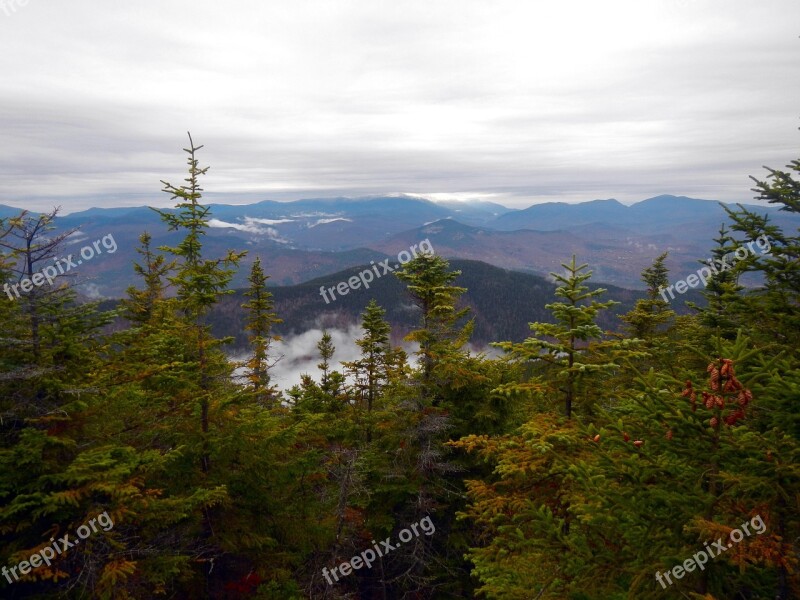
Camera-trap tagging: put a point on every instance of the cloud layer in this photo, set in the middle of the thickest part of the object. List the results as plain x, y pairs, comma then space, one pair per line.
514, 101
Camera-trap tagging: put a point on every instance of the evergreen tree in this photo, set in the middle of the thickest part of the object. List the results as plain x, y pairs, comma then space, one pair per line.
330, 394
722, 291
651, 314
206, 378
531, 544
673, 471
439, 337
140, 304
564, 346
378, 364
332, 381
326, 352
199, 283
56, 472
260, 321
774, 307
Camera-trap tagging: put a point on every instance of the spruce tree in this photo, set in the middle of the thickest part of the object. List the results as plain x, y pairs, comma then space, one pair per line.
332, 381
722, 291
379, 361
564, 346
206, 380
58, 468
199, 282
330, 394
651, 314
261, 319
777, 300
141, 304
440, 337
523, 510
680, 463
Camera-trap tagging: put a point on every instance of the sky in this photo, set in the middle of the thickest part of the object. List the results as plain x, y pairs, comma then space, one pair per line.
516, 102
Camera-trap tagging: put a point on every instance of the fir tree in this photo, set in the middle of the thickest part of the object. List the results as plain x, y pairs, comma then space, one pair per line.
564, 345
260, 321
524, 510
207, 373
651, 314
774, 306
32, 247
199, 282
439, 337
140, 304
378, 363
332, 381
722, 292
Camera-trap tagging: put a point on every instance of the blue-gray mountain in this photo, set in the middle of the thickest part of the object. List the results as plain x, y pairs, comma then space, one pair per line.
302, 240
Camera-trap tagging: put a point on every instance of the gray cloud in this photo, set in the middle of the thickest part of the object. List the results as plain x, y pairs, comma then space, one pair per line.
513, 100
299, 354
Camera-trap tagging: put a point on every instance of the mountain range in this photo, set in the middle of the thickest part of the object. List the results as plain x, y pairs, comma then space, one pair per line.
306, 239
502, 302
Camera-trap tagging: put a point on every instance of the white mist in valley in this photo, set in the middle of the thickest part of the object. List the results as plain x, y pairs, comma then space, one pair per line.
297, 355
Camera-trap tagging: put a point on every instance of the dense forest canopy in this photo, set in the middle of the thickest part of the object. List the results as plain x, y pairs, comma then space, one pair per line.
659, 460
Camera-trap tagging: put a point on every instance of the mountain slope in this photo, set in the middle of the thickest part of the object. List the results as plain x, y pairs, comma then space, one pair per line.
616, 255
502, 302
301, 240
559, 215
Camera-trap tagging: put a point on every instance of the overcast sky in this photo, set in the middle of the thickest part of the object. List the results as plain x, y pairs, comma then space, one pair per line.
515, 101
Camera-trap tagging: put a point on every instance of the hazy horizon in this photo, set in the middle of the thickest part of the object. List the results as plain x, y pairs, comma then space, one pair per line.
220, 199
512, 102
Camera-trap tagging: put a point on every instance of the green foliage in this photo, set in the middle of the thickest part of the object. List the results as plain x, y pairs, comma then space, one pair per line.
565, 346
722, 291
576, 466
779, 298
649, 317
378, 366
260, 322
198, 281
141, 304
430, 285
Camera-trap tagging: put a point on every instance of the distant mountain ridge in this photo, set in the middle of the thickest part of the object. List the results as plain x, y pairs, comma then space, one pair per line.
305, 239
653, 213
502, 302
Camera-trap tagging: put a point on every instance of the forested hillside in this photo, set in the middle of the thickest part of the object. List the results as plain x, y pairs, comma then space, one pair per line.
501, 302
654, 455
